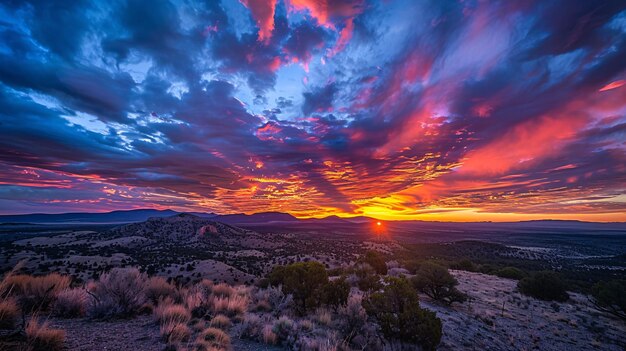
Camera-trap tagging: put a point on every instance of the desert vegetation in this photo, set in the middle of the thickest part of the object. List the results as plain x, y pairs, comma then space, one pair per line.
299, 308
545, 286
234, 289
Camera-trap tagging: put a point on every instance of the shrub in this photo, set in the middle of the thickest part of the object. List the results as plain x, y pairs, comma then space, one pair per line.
397, 311
269, 337
168, 313
220, 321
118, 293
303, 280
277, 300
464, 265
9, 313
232, 306
71, 303
223, 290
544, 286
352, 317
610, 297
252, 326
40, 337
510, 273
284, 327
157, 288
174, 331
436, 282
367, 281
35, 293
323, 316
214, 337
335, 293
376, 261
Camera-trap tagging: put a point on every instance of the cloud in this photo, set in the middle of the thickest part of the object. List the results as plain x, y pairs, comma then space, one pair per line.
397, 109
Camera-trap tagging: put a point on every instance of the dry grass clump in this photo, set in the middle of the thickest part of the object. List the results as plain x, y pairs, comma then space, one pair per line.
323, 316
157, 288
39, 337
269, 337
71, 303
174, 332
274, 297
118, 293
34, 293
223, 290
252, 326
166, 312
284, 328
321, 343
198, 298
232, 306
305, 325
213, 337
9, 313
221, 321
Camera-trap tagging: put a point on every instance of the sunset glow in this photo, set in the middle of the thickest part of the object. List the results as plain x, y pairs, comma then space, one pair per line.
396, 110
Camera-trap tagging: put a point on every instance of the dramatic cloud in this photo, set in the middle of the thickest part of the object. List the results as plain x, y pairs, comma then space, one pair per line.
448, 110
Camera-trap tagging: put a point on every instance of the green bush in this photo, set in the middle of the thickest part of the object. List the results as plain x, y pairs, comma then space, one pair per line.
464, 265
610, 297
304, 281
511, 273
376, 261
436, 282
396, 309
368, 281
336, 292
544, 286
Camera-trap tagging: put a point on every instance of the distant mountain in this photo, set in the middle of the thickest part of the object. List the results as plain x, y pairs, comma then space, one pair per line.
286, 221
179, 227
257, 218
129, 216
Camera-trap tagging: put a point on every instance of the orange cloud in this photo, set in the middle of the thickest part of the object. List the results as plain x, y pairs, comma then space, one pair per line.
613, 85
524, 145
263, 13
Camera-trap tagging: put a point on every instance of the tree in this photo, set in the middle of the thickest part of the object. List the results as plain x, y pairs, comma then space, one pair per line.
436, 282
396, 309
544, 286
610, 297
376, 261
368, 280
511, 273
303, 280
335, 292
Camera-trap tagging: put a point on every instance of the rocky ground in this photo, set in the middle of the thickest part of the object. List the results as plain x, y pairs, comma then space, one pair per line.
498, 318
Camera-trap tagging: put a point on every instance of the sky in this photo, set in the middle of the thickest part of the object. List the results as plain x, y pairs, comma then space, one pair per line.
432, 110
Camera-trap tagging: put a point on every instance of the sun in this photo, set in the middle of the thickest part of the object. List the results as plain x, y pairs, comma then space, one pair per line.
378, 224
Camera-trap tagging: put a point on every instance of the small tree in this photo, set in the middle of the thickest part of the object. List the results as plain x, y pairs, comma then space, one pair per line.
436, 282
397, 311
610, 297
544, 286
511, 273
303, 280
336, 293
376, 261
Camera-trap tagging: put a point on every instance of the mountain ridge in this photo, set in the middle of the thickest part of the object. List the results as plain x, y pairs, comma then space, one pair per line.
139, 215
